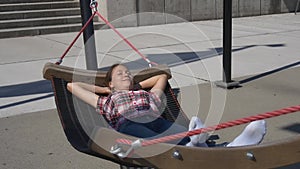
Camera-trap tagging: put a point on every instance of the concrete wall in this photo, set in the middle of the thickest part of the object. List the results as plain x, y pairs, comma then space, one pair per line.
288, 5
121, 13
150, 12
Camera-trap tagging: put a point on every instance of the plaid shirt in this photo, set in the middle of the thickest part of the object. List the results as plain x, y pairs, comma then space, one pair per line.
122, 105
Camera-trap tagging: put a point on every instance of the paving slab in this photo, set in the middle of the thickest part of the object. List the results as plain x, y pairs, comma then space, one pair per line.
36, 140
259, 44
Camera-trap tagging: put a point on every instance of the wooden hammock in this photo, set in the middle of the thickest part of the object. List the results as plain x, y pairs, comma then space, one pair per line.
89, 133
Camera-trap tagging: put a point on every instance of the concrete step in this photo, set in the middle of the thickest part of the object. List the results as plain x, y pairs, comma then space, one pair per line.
38, 6
26, 1
19, 23
37, 17
39, 13
42, 30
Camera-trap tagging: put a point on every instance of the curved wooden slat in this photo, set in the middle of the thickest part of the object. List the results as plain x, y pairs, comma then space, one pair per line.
97, 77
271, 155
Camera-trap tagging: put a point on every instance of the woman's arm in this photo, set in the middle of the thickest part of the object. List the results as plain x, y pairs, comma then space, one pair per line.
86, 92
156, 83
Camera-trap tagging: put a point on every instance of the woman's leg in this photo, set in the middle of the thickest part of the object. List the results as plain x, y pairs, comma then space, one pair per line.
253, 134
165, 128
137, 129
154, 129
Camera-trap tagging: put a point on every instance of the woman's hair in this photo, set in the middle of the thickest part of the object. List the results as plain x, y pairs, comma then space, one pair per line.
108, 76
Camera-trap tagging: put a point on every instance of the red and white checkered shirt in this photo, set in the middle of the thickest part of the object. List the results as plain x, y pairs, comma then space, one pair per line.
121, 105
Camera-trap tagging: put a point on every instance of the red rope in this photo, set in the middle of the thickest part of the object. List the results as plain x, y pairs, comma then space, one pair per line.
123, 38
94, 7
224, 125
73, 42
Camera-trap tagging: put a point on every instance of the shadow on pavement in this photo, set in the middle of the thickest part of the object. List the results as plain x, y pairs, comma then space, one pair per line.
23, 89
269, 73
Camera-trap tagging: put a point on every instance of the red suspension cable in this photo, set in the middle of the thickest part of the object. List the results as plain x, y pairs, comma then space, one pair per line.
93, 6
224, 125
123, 38
58, 62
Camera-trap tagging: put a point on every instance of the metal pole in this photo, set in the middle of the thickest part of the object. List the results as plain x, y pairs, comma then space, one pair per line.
88, 36
297, 6
227, 46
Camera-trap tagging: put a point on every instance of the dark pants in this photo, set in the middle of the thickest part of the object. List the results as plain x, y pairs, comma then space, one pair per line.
153, 129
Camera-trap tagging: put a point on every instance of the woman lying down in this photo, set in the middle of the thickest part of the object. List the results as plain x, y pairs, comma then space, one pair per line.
131, 110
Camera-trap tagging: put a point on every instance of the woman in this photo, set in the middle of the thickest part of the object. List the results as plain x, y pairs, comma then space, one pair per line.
132, 112
137, 112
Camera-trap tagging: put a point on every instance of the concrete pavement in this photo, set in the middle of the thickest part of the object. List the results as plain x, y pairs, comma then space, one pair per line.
265, 61
260, 44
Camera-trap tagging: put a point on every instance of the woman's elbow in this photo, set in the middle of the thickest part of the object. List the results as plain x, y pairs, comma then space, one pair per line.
70, 86
164, 76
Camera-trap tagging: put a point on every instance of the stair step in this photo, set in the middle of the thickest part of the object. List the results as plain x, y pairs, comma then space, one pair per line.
42, 30
38, 17
26, 1
5, 24
38, 6
39, 13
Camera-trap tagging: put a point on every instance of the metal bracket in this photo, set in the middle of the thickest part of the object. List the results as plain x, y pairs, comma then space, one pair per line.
94, 5
118, 149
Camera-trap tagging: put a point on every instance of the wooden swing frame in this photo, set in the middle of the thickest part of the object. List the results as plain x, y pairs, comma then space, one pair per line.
89, 133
